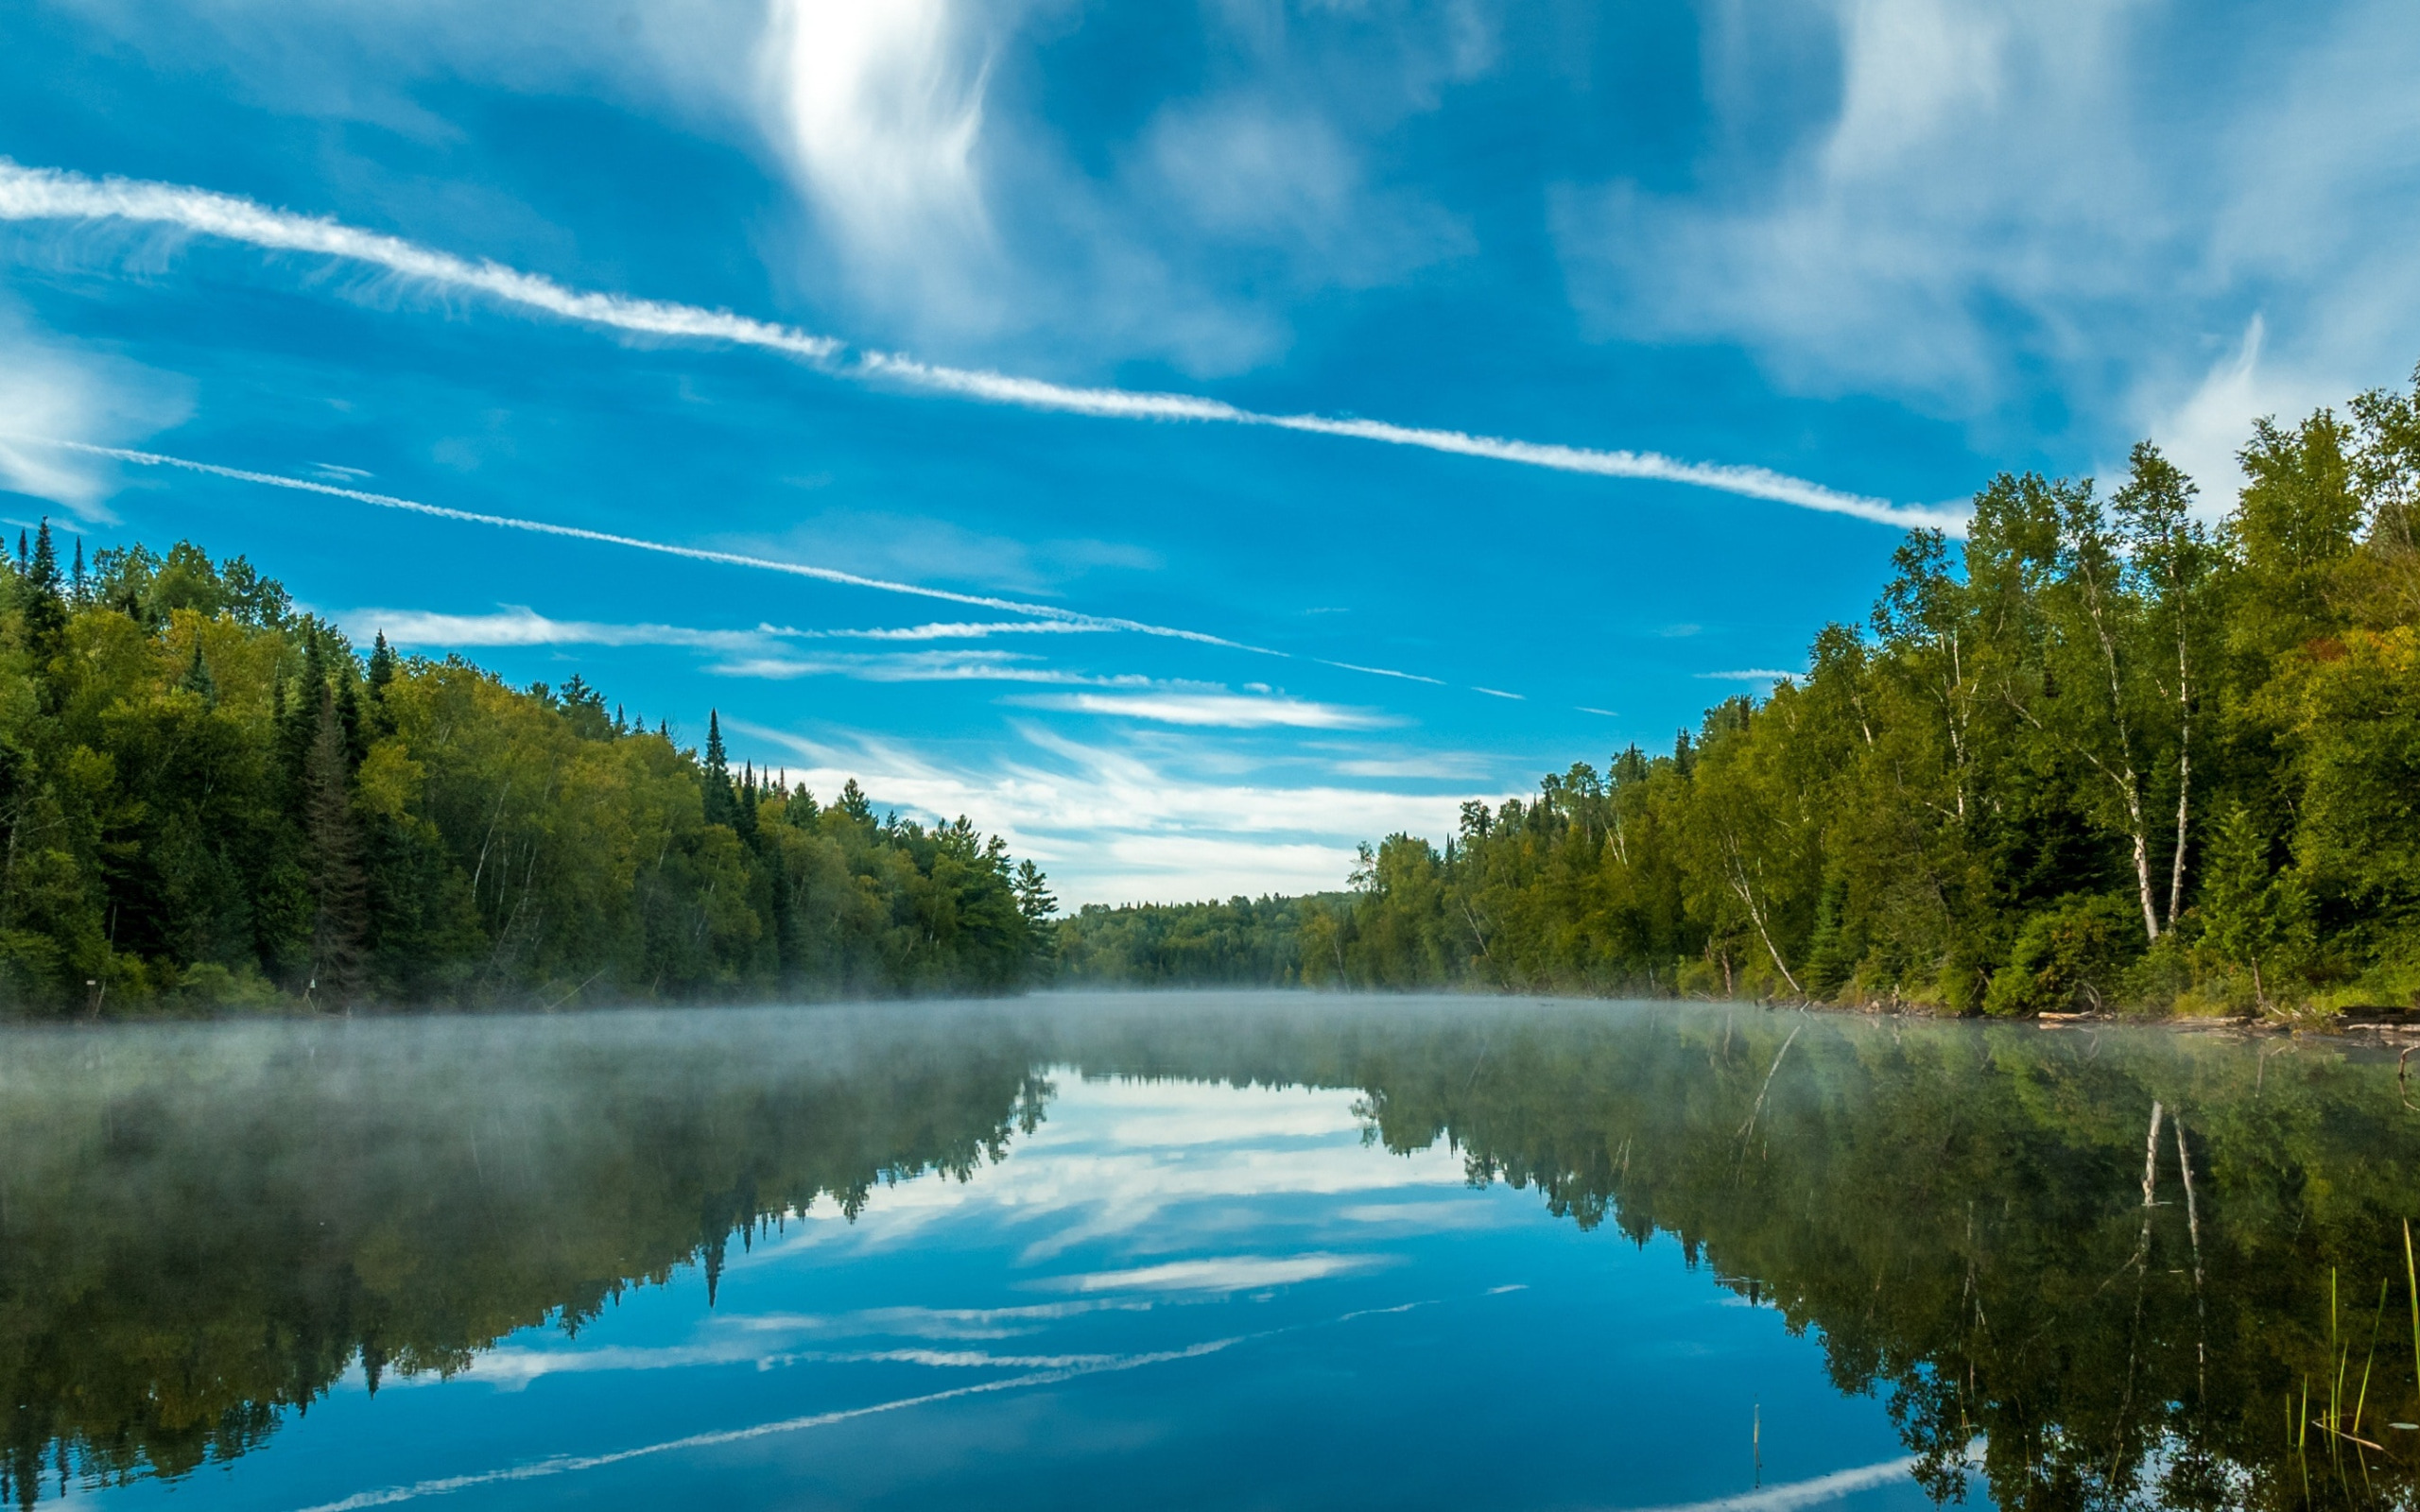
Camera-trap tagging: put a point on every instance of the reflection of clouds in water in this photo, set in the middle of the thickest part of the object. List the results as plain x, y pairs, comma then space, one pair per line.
1232, 1273
1115, 1157
510, 1370
1797, 1494
1432, 1217
564, 1464
929, 1322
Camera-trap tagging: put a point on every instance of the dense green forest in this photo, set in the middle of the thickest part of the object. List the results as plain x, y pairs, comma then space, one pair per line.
1959, 1211
1241, 942
2093, 755
211, 800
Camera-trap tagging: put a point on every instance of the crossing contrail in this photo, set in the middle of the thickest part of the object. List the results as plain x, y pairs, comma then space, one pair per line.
50, 194
728, 559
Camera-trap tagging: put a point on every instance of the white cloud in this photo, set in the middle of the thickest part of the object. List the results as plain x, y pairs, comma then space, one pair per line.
1980, 157
959, 630
880, 108
1250, 170
928, 548
1218, 710
1118, 824
1441, 766
728, 559
2202, 434
51, 390
924, 666
2003, 204
42, 194
515, 625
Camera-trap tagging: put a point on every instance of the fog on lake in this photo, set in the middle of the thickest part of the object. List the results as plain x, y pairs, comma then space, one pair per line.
1205, 1250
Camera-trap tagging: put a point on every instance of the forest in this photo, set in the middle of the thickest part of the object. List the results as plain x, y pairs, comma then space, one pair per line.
2096, 755
212, 802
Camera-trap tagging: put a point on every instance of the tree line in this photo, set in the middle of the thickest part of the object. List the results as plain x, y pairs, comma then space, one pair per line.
2097, 753
208, 800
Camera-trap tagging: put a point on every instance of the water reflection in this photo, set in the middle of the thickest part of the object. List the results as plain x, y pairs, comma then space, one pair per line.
1051, 1252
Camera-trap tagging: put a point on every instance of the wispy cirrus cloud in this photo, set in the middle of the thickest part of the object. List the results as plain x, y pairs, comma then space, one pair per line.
518, 625
514, 624
1222, 711
1972, 206
925, 667
1162, 819
48, 387
728, 559
46, 194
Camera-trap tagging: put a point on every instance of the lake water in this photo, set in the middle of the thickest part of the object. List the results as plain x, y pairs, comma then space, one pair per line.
1203, 1250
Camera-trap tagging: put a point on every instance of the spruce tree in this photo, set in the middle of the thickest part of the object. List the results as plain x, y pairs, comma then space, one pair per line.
198, 679
722, 804
377, 720
46, 615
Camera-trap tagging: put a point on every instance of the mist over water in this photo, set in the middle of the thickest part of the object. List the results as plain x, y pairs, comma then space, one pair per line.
1203, 1250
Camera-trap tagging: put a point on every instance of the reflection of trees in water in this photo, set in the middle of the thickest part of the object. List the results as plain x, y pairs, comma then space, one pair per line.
204, 1227
207, 1227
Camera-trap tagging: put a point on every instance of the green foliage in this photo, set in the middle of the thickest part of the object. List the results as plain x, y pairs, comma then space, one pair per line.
2066, 959
1239, 942
1999, 795
209, 802
2253, 919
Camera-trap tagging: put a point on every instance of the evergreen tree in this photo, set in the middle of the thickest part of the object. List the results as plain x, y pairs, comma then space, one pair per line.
197, 677
722, 804
376, 721
45, 610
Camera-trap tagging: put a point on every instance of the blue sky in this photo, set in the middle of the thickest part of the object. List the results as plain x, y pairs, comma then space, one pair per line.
874, 289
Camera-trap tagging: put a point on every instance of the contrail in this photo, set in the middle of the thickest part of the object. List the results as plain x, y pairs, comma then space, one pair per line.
49, 193
728, 559
566, 1464
1797, 1494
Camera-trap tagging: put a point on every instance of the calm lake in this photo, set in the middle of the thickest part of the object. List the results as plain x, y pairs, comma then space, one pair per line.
1204, 1250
